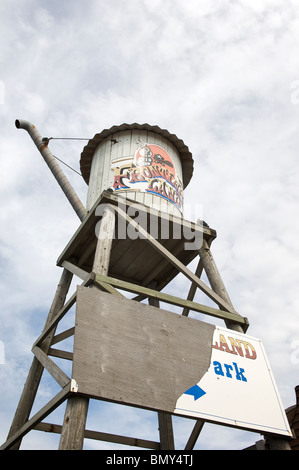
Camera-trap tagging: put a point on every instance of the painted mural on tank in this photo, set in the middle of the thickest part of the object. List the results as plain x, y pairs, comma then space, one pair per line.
150, 170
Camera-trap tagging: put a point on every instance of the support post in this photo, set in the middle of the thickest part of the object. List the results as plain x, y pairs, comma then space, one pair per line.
166, 431
216, 281
73, 429
194, 434
164, 419
36, 370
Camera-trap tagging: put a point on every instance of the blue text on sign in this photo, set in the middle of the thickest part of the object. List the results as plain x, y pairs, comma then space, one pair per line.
231, 371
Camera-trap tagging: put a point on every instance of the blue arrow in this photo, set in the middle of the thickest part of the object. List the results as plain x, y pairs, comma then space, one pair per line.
196, 391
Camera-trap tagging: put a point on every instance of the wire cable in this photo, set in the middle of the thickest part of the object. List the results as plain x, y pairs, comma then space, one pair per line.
67, 165
47, 139
69, 138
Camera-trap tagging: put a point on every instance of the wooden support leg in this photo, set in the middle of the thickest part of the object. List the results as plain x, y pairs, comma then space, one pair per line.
216, 281
72, 433
166, 431
73, 429
36, 370
164, 419
194, 434
193, 287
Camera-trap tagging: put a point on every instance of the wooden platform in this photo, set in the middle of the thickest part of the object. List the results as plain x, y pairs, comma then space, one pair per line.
135, 259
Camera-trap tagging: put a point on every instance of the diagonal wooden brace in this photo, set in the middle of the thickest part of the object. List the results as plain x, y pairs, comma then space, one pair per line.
180, 266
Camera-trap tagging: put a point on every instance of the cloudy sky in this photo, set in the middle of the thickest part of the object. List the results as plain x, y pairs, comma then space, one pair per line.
224, 77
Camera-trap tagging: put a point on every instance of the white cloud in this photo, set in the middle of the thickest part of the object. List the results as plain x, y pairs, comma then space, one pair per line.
219, 75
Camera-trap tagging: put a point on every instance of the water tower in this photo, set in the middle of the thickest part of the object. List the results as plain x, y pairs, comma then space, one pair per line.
133, 238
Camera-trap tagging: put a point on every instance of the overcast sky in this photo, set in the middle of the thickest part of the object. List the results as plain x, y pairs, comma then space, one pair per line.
224, 77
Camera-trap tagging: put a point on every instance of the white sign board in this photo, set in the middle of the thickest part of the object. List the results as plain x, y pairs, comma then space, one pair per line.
173, 363
238, 389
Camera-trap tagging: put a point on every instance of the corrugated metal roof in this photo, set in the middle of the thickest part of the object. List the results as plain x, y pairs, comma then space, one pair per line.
89, 149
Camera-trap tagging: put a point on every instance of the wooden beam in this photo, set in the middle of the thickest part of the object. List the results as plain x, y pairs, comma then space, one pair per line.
56, 319
163, 297
39, 416
63, 335
159, 267
217, 283
105, 238
36, 370
89, 250
61, 354
60, 314
193, 288
166, 431
194, 434
103, 436
108, 288
164, 419
72, 433
75, 270
61, 378
116, 200
73, 429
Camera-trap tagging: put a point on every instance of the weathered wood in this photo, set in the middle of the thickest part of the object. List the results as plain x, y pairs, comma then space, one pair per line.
51, 325
61, 378
216, 282
154, 345
82, 238
61, 354
39, 416
135, 259
166, 431
72, 434
105, 238
63, 335
103, 436
108, 288
164, 419
194, 434
193, 288
160, 265
163, 297
36, 370
73, 429
75, 270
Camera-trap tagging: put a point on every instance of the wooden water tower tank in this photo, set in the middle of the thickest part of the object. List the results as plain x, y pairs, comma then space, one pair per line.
138, 161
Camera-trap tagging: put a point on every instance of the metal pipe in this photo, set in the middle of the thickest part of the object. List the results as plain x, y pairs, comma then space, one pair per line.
42, 145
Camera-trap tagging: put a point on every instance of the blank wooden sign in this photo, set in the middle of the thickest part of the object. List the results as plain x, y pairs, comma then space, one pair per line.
136, 354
